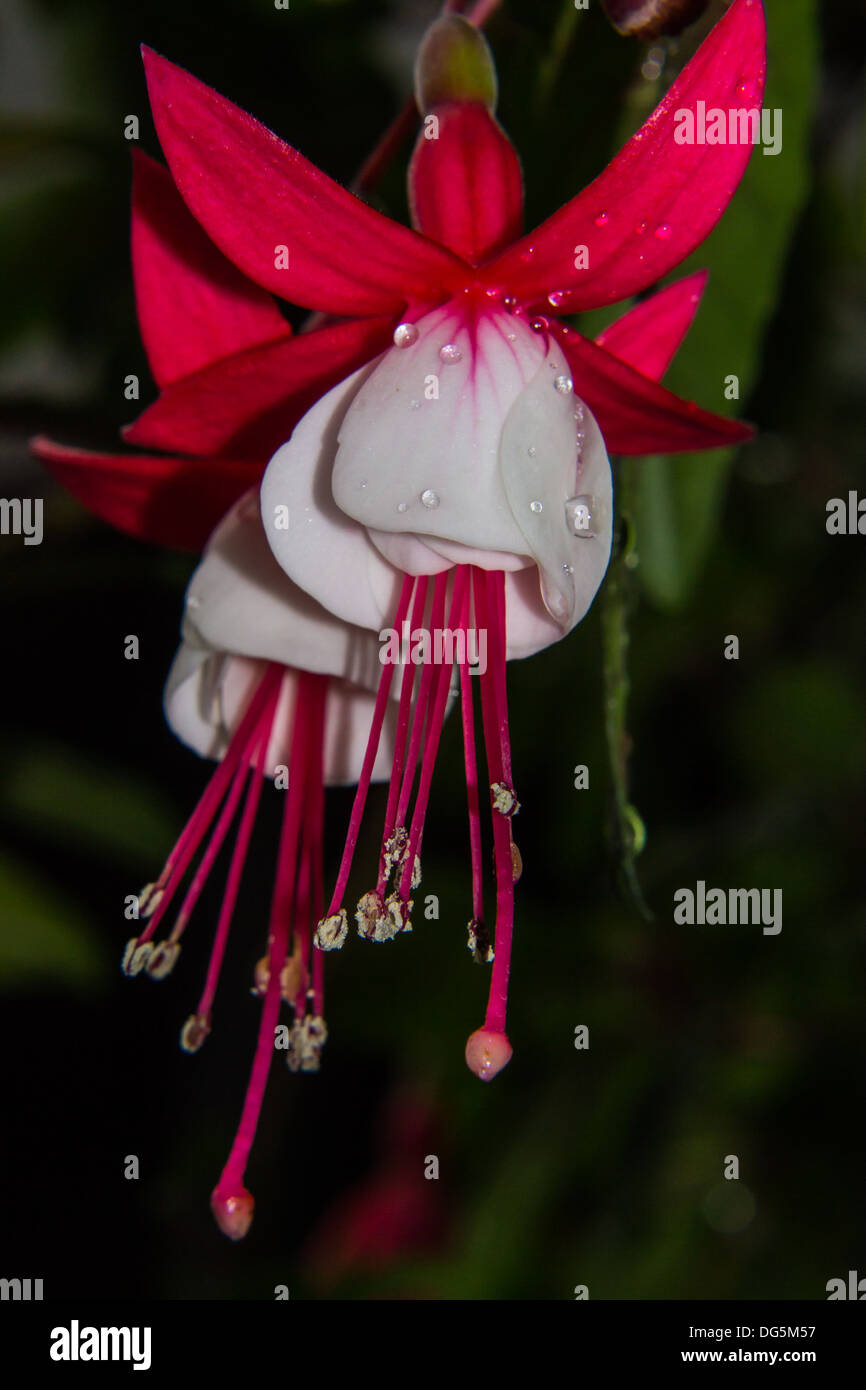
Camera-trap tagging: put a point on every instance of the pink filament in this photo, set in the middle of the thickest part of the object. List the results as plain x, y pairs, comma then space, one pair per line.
490, 598
471, 765
310, 696
369, 761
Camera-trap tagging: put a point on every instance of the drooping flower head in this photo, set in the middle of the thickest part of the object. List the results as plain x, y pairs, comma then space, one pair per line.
442, 445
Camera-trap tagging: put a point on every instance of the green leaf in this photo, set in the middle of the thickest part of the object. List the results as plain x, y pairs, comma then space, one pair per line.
679, 499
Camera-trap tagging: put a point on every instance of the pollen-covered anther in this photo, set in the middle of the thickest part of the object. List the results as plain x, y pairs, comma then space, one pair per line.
395, 848
504, 799
487, 1052
306, 1040
332, 931
194, 1032
233, 1211
136, 957
398, 918
261, 975
292, 979
149, 899
516, 863
162, 962
479, 942
369, 914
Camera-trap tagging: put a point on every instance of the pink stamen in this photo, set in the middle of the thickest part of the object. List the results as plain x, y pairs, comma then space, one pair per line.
489, 591
437, 704
407, 690
199, 822
369, 760
467, 711
229, 1195
233, 882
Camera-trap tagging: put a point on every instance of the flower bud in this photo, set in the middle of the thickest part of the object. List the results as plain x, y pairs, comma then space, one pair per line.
653, 19
454, 63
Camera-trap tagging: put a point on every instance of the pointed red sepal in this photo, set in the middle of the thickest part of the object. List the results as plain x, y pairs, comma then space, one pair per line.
637, 415
169, 501
657, 199
278, 218
465, 183
249, 404
650, 334
194, 306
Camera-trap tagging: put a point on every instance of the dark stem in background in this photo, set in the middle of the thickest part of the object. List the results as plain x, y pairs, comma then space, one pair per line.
626, 831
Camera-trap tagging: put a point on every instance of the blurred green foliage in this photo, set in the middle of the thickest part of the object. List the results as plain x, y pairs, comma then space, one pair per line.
603, 1166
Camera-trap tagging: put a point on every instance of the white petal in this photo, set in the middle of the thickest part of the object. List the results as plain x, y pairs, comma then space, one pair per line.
541, 471
407, 462
207, 693
322, 549
529, 627
240, 601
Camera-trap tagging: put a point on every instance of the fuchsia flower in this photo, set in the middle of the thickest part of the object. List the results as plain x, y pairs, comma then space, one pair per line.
439, 450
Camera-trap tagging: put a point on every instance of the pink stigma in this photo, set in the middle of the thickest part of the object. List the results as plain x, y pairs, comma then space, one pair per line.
487, 1053
233, 1211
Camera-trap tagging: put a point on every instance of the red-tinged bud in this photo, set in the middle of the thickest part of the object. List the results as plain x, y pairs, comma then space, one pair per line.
233, 1211
653, 19
454, 63
487, 1053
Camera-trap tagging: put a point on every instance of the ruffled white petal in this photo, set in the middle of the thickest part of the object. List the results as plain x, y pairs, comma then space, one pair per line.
542, 470
207, 693
419, 445
316, 544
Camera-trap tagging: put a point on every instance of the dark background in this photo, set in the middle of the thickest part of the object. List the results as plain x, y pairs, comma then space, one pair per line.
601, 1167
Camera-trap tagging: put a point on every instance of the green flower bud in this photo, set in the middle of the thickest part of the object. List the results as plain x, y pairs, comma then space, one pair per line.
454, 63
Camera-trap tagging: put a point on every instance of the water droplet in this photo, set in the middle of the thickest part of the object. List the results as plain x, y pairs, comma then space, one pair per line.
556, 298
363, 482
402, 506
512, 337
641, 228
405, 334
527, 255
532, 451
564, 385
663, 231
568, 569
579, 515
602, 219
540, 325
509, 302
449, 352
416, 405
536, 507
579, 413
429, 498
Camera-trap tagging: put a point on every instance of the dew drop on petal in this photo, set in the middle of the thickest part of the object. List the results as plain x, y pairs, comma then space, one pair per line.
449, 352
602, 219
663, 231
564, 385
579, 413
556, 298
532, 451
509, 302
405, 334
416, 405
402, 506
641, 228
540, 325
429, 498
536, 506
579, 515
